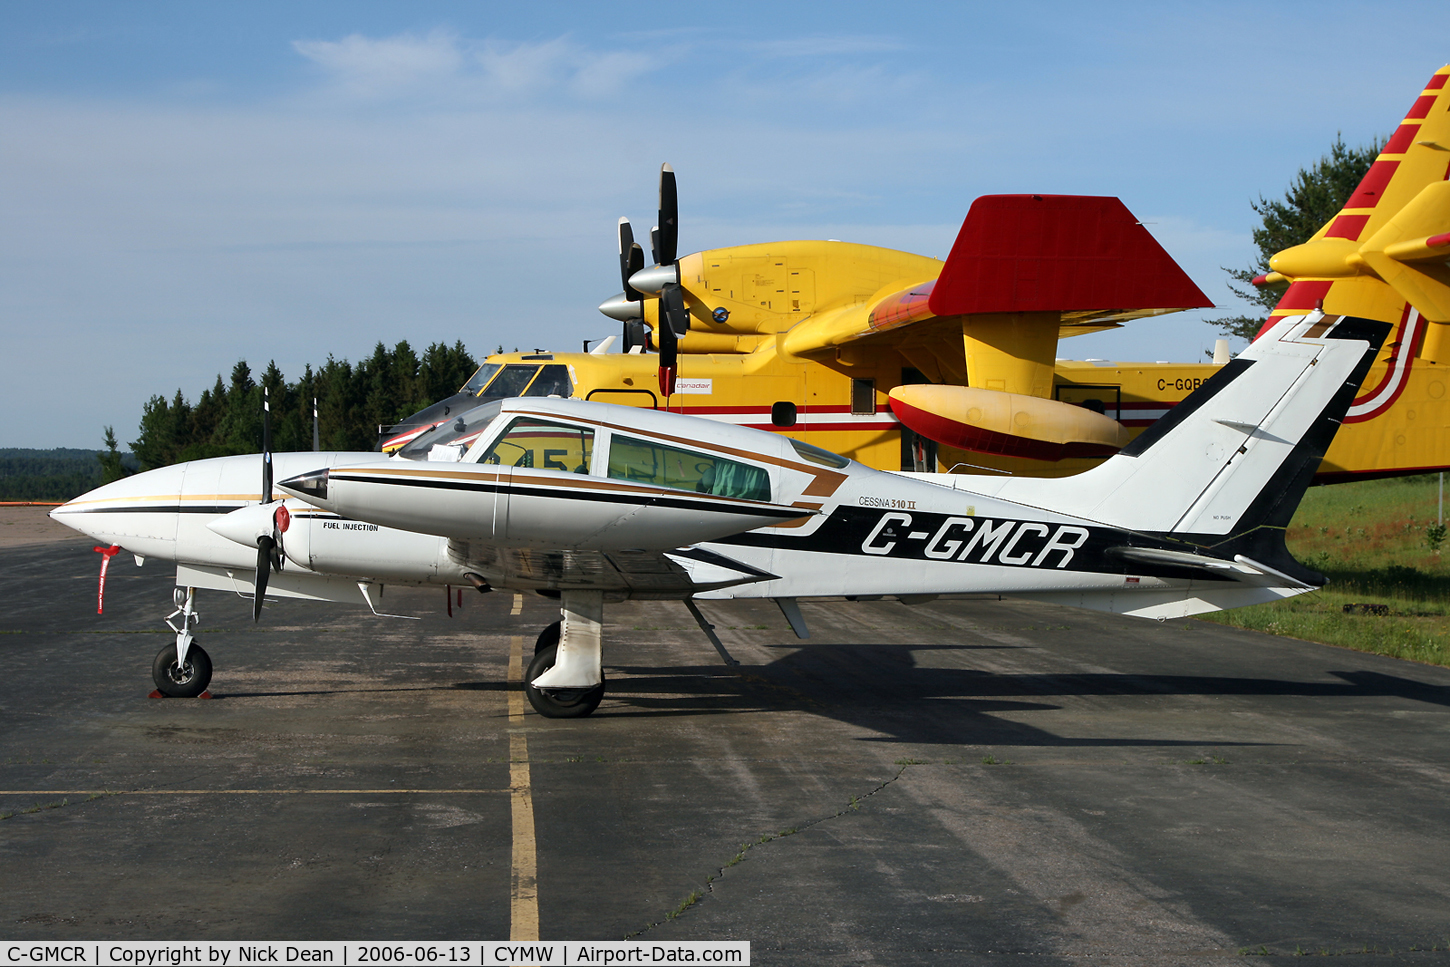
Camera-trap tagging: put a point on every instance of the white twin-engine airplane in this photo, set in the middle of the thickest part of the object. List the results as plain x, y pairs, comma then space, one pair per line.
592, 502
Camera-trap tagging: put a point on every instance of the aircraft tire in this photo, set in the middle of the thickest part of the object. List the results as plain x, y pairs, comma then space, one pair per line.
558, 703
549, 637
188, 681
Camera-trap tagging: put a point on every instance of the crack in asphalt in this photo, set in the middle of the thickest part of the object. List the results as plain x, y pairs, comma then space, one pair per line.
697, 895
58, 804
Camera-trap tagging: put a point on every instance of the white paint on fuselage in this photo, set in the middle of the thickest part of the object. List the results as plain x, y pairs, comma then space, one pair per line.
163, 514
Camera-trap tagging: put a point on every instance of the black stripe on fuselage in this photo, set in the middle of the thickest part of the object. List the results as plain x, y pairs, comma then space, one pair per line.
161, 509
218, 509
650, 499
998, 542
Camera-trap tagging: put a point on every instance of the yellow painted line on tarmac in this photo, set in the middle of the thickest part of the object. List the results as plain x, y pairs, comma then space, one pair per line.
518, 609
250, 792
524, 889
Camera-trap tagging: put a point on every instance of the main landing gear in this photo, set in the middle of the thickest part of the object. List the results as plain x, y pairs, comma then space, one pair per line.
566, 678
182, 670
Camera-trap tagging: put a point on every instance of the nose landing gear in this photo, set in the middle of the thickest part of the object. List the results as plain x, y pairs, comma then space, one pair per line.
182, 670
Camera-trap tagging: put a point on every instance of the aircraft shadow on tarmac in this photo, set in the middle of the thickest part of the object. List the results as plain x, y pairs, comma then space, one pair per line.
882, 688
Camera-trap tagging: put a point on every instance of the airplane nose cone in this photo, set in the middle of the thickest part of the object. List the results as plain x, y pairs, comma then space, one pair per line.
126, 511
618, 307
652, 279
309, 486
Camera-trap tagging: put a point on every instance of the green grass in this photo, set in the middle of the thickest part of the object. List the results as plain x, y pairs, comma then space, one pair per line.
1376, 542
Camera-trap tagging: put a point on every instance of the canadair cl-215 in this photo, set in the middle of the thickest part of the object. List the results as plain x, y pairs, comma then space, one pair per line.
905, 362
595, 503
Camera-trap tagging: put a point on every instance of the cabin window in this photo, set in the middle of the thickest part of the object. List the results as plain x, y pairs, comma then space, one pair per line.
645, 461
541, 445
863, 397
511, 382
553, 381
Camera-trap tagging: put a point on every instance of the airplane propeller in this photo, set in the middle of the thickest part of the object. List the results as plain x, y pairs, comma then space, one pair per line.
631, 311
269, 546
661, 280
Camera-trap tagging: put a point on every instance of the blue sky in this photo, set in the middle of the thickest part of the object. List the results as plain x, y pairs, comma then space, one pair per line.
187, 184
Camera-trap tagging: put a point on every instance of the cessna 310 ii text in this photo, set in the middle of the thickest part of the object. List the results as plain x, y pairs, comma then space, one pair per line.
594, 502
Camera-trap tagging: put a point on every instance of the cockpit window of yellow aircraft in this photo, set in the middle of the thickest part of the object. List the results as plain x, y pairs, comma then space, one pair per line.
480, 379
541, 445
553, 381
646, 462
511, 382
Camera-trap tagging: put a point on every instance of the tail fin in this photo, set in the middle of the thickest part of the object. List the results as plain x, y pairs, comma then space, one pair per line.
1225, 469
1390, 244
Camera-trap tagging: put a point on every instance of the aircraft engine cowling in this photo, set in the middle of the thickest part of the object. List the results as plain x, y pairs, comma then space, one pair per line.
990, 421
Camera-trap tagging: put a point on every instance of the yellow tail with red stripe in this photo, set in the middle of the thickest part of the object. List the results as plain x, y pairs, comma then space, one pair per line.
1386, 256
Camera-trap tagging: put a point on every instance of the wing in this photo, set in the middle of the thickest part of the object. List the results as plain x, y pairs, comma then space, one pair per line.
644, 574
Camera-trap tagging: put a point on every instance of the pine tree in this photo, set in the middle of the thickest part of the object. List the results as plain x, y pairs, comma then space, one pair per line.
111, 468
1314, 197
352, 401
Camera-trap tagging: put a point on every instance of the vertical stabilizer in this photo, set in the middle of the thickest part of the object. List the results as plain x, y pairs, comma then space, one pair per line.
1226, 468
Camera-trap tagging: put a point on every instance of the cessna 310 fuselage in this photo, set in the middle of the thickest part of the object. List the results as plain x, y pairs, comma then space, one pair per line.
593, 502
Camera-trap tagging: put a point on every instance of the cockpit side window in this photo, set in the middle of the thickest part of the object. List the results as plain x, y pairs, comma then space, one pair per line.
542, 445
553, 381
679, 469
450, 439
511, 382
480, 379
817, 455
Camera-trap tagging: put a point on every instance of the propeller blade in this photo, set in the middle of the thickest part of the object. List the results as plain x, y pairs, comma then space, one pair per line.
265, 547
673, 314
266, 447
654, 244
669, 217
674, 319
626, 252
636, 262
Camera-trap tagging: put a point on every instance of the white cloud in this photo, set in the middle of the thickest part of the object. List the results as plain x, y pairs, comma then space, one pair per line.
525, 67
606, 75
826, 46
451, 69
370, 66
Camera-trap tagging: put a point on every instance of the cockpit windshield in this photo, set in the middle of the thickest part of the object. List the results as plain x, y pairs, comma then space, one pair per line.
495, 381
510, 382
480, 379
449, 440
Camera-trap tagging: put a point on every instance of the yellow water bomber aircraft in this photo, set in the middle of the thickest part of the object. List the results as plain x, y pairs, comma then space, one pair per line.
906, 362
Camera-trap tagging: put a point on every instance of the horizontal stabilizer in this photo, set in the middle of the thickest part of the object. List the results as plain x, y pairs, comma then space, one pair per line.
1241, 568
1058, 253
